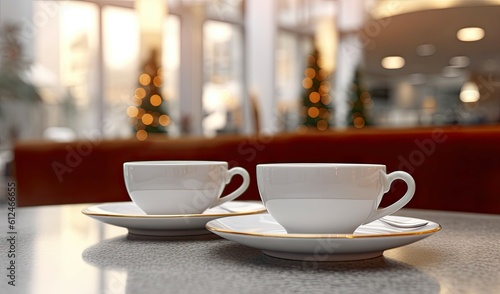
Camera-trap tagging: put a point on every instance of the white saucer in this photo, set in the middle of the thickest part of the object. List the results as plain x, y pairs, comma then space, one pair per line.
368, 241
128, 215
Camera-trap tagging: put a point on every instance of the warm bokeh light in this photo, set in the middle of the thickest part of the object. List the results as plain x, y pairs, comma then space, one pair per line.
365, 97
322, 74
310, 73
326, 99
158, 81
313, 112
144, 79
140, 93
147, 119
314, 97
323, 90
155, 100
326, 84
359, 122
141, 135
132, 111
322, 125
164, 120
307, 83
141, 112
323, 113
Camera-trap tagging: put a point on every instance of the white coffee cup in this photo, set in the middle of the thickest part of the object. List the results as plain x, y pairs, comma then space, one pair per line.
180, 187
328, 198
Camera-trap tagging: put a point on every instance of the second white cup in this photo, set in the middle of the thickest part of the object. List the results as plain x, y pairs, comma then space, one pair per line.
328, 198
180, 187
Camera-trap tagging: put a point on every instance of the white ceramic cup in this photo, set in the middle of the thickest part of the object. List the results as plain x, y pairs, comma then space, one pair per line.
180, 187
328, 198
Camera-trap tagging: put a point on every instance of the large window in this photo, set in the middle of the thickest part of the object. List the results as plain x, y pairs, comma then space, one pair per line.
223, 77
121, 51
91, 53
91, 48
66, 49
300, 31
291, 52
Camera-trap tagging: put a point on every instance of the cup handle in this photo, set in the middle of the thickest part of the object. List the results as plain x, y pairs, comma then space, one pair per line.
236, 193
397, 175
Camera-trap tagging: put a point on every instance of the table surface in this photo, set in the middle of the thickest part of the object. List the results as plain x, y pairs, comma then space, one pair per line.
60, 250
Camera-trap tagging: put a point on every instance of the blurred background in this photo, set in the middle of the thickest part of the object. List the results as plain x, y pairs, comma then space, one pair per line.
107, 69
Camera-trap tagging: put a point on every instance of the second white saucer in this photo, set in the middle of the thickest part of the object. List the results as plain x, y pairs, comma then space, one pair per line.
368, 241
128, 215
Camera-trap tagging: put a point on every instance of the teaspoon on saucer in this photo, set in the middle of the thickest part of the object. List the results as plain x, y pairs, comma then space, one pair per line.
405, 225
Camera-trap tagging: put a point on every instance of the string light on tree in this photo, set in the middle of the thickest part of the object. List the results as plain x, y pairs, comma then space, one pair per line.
316, 95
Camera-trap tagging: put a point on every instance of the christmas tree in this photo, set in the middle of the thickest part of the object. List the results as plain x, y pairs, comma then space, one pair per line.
316, 95
360, 102
148, 112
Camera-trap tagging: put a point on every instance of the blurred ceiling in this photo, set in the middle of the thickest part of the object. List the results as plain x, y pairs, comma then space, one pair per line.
398, 27
401, 34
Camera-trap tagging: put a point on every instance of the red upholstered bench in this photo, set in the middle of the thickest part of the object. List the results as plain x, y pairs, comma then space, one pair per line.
455, 168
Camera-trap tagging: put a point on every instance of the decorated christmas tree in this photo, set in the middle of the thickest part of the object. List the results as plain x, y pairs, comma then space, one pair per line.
148, 110
361, 102
316, 94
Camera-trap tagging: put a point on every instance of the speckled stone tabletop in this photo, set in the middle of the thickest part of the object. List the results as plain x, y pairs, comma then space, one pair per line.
60, 250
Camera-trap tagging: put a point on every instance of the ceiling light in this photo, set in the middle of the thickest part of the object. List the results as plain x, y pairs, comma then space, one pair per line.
459, 61
393, 62
425, 50
469, 92
470, 34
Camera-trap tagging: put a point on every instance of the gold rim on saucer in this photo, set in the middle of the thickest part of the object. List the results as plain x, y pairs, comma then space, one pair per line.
87, 211
318, 236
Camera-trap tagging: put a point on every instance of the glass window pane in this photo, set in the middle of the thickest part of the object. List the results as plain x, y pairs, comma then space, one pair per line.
171, 70
291, 54
225, 9
66, 50
78, 64
121, 51
223, 68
